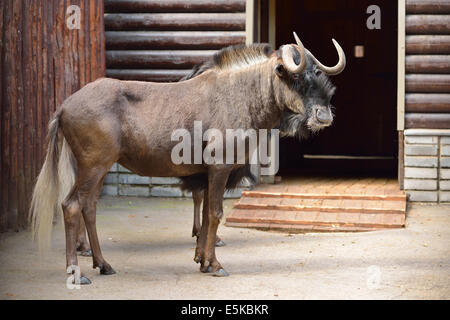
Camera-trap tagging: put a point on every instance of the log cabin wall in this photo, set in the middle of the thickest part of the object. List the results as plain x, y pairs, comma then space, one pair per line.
42, 62
427, 64
160, 41
427, 101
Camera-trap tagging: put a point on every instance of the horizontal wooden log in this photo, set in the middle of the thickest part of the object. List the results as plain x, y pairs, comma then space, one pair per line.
142, 40
427, 102
161, 59
175, 21
147, 75
427, 63
427, 120
439, 83
427, 6
428, 24
426, 44
141, 6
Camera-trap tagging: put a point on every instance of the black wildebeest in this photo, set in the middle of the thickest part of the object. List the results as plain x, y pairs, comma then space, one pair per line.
195, 184
132, 122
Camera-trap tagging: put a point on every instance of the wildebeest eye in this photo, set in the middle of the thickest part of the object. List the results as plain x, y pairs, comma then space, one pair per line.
317, 72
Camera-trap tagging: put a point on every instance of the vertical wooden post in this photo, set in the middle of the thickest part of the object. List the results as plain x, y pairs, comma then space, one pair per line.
401, 91
401, 65
401, 159
272, 24
249, 21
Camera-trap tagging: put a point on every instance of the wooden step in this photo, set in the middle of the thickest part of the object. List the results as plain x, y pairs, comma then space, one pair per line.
328, 196
278, 208
292, 204
329, 219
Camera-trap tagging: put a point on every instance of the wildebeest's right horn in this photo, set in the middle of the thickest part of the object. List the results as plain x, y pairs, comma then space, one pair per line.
338, 68
287, 56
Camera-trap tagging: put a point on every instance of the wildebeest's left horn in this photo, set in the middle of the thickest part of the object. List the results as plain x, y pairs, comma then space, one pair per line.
338, 68
287, 56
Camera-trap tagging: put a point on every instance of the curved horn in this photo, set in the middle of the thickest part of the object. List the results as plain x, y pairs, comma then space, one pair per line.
288, 57
338, 68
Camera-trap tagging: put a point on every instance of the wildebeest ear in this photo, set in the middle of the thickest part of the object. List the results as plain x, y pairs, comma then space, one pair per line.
279, 70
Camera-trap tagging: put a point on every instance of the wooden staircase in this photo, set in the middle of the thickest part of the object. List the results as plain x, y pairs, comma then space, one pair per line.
329, 210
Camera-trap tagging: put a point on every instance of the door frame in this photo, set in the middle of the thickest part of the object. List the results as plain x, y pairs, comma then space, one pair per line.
254, 30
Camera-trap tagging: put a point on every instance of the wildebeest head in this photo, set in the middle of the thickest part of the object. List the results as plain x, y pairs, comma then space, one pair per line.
304, 89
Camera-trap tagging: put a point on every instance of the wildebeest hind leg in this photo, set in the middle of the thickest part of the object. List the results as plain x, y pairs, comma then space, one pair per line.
72, 215
89, 216
82, 240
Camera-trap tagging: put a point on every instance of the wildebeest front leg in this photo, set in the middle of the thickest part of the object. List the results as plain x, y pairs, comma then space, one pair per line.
217, 179
197, 196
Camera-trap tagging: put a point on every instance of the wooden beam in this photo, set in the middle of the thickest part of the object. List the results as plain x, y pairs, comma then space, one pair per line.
428, 64
159, 59
168, 40
142, 6
272, 23
428, 44
427, 120
401, 65
428, 102
428, 24
423, 83
249, 21
427, 6
175, 21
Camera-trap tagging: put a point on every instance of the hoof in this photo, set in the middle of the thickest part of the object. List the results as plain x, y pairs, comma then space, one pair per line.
107, 270
197, 259
221, 273
220, 243
87, 253
84, 280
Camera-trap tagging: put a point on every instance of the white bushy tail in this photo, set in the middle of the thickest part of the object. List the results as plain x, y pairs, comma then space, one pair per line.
54, 182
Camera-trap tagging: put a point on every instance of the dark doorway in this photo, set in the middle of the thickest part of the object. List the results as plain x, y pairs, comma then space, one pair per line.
363, 137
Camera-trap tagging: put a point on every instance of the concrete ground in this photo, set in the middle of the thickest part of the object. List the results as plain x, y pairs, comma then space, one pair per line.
148, 242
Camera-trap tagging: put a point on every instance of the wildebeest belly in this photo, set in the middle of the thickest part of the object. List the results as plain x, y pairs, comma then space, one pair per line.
157, 163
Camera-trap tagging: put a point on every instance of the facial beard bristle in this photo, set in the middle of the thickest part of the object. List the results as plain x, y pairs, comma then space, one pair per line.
294, 125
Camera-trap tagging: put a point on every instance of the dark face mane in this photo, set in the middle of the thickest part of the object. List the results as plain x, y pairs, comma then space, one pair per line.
315, 88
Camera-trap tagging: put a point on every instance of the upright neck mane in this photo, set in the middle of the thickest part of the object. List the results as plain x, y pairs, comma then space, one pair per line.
233, 58
256, 106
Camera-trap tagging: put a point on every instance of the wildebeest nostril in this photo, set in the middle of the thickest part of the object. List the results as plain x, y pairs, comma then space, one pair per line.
323, 116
